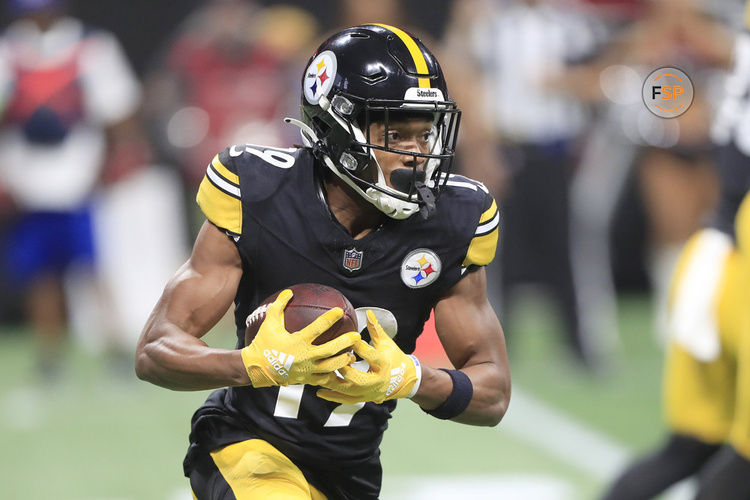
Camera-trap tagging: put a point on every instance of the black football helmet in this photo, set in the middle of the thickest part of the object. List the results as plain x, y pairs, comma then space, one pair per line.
374, 73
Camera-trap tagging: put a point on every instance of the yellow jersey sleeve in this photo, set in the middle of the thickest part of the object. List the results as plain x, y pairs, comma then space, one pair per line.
219, 197
484, 243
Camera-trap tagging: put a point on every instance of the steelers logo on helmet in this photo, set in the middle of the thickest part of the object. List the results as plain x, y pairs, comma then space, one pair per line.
421, 267
319, 76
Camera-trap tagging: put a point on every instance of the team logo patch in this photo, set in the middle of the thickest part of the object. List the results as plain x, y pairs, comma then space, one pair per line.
420, 268
352, 259
319, 76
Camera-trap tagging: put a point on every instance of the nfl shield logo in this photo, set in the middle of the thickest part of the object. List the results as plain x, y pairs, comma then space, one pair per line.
352, 259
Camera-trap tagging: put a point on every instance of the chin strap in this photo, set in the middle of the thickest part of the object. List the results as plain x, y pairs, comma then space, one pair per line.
392, 207
309, 138
428, 197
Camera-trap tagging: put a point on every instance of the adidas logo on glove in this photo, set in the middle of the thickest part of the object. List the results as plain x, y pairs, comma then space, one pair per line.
397, 376
280, 361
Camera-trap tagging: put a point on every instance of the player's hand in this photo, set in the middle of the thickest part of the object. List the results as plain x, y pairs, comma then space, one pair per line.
278, 357
392, 374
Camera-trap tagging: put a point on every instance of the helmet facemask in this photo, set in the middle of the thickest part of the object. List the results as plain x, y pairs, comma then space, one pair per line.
348, 123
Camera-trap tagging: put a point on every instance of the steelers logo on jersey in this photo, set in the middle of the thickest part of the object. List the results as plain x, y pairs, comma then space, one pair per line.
420, 268
319, 76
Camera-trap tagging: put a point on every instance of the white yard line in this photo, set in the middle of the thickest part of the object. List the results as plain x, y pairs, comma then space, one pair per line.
573, 443
484, 487
561, 436
22, 409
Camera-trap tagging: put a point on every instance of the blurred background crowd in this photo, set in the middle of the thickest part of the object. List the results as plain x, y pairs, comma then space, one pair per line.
110, 111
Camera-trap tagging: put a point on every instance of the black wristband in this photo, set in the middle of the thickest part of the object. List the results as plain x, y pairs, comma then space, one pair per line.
459, 398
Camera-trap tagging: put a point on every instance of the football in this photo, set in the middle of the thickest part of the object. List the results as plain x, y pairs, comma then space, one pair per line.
309, 301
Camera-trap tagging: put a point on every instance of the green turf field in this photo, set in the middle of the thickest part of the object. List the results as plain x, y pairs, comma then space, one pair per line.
99, 436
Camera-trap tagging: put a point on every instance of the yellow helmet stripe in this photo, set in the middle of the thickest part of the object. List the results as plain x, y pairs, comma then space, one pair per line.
416, 54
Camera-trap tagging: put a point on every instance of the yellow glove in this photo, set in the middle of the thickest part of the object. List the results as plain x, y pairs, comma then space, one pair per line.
392, 374
278, 357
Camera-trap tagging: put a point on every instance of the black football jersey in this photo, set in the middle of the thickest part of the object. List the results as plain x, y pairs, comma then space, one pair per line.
271, 203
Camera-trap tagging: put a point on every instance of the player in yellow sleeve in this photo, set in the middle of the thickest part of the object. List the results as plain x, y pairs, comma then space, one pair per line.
699, 389
727, 475
367, 206
706, 389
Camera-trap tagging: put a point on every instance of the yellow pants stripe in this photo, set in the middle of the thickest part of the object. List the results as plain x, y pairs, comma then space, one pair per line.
254, 469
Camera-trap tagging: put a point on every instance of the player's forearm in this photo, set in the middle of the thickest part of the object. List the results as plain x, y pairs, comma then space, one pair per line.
184, 363
490, 398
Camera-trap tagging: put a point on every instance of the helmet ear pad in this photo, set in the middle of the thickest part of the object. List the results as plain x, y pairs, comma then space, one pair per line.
362, 161
339, 142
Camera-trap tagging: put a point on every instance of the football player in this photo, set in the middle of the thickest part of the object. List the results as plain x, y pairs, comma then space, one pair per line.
707, 371
706, 394
726, 474
368, 206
